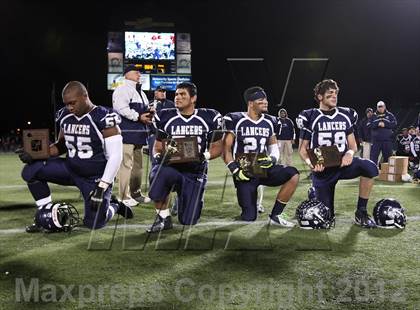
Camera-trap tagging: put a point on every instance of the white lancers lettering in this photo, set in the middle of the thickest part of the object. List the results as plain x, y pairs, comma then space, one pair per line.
255, 131
328, 126
76, 129
186, 130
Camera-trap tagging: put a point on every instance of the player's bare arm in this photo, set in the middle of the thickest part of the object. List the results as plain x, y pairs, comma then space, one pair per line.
59, 147
348, 156
112, 131
216, 149
303, 152
228, 140
158, 147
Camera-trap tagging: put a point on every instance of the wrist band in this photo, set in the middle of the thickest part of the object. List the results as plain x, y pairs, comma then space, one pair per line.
103, 184
206, 155
308, 162
351, 152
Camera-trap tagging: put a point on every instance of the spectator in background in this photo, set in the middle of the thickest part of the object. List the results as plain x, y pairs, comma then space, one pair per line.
412, 131
285, 138
382, 124
160, 102
418, 123
132, 104
364, 133
403, 143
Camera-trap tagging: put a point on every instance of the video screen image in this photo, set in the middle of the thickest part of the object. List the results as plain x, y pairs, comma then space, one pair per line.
149, 45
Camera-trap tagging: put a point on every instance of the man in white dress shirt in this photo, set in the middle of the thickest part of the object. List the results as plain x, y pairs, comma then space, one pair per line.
132, 104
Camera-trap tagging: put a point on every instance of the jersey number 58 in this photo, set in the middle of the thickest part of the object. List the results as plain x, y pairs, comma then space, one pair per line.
329, 138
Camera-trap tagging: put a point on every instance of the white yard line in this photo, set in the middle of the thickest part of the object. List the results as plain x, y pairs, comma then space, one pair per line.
203, 224
343, 183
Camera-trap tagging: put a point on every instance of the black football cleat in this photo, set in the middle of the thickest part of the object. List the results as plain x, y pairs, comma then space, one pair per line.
160, 224
125, 211
34, 228
364, 220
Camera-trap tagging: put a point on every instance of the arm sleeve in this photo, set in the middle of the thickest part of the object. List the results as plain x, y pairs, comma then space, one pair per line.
121, 103
273, 150
113, 150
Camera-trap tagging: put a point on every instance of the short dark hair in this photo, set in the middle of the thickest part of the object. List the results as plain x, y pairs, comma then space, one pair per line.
322, 87
74, 86
190, 87
250, 91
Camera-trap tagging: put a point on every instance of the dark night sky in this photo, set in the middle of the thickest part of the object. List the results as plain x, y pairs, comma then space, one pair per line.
373, 47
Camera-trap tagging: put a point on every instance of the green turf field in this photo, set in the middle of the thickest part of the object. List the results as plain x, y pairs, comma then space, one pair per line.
219, 264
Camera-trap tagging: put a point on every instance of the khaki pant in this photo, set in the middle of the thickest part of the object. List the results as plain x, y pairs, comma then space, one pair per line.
131, 170
366, 149
286, 151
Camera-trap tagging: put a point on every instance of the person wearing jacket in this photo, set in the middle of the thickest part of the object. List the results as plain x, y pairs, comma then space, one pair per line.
285, 138
132, 104
364, 133
382, 125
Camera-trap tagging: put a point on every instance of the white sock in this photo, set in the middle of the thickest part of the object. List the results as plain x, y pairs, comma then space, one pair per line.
43, 201
163, 213
260, 194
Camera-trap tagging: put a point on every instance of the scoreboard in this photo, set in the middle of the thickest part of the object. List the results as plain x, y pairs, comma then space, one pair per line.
162, 58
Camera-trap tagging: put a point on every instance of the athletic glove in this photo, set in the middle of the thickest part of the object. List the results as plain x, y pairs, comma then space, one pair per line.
97, 196
266, 162
237, 172
24, 156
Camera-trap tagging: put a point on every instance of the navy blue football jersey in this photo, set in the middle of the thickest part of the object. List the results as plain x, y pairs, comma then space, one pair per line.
403, 144
203, 123
325, 130
415, 145
84, 140
250, 136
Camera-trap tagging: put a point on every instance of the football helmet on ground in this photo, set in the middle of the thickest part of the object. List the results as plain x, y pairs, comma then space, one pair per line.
314, 214
388, 213
57, 217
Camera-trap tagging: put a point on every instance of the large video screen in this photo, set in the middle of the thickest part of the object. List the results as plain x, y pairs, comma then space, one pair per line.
149, 45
